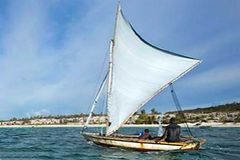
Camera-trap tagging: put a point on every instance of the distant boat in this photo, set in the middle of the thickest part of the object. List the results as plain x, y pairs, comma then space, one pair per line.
205, 127
197, 124
138, 71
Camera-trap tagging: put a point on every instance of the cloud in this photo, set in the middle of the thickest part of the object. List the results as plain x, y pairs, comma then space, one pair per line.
220, 77
35, 74
213, 45
52, 53
38, 113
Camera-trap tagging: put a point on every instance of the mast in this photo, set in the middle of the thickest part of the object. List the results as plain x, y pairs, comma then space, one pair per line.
160, 127
109, 89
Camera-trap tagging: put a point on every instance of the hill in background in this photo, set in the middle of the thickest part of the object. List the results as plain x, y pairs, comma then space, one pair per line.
221, 113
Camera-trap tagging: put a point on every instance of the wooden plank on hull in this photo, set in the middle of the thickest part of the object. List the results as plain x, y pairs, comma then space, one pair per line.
135, 143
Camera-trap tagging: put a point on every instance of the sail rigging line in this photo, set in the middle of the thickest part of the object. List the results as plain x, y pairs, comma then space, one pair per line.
96, 100
179, 109
109, 88
160, 127
98, 81
104, 108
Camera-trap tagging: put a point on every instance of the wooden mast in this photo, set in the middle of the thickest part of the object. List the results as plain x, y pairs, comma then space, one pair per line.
109, 90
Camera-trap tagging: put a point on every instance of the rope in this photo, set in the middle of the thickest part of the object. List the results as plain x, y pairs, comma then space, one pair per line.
179, 109
97, 84
96, 100
104, 110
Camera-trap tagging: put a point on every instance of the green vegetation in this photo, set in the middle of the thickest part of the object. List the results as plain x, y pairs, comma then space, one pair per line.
154, 111
237, 119
180, 118
222, 113
48, 117
145, 118
229, 107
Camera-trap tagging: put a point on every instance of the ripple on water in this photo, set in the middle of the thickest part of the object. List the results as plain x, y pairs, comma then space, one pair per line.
67, 143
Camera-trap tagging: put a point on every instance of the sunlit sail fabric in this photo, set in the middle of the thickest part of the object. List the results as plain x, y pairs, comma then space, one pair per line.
140, 71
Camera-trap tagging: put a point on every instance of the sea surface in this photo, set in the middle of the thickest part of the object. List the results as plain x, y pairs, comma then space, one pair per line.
67, 143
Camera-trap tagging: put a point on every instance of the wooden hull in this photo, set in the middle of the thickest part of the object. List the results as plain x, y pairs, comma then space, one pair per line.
132, 142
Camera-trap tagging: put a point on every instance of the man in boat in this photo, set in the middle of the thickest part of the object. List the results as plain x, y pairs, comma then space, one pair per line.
146, 135
172, 132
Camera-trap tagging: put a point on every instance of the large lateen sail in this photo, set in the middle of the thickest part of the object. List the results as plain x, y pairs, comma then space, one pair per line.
139, 71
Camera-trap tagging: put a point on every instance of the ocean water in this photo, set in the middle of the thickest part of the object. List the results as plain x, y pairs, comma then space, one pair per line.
67, 143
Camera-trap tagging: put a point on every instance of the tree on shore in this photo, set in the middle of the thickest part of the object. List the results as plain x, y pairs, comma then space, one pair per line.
143, 111
154, 111
145, 118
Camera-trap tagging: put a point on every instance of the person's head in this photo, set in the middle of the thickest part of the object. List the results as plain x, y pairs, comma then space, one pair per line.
172, 120
146, 130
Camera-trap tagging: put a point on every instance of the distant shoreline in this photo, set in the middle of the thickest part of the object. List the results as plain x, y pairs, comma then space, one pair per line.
128, 125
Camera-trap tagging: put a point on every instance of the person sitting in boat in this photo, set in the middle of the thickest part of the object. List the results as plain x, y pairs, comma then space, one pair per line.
146, 135
172, 132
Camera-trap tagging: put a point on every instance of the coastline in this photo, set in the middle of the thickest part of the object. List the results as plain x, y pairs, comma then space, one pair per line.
192, 125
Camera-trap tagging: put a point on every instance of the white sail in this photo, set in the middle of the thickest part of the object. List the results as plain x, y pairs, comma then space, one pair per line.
139, 72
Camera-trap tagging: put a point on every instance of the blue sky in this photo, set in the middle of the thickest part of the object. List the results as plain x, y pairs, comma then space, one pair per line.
52, 51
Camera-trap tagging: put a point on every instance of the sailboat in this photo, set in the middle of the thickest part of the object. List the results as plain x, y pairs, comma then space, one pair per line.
137, 72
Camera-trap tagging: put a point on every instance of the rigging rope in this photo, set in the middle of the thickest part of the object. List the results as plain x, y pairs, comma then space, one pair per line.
97, 84
96, 100
179, 109
104, 108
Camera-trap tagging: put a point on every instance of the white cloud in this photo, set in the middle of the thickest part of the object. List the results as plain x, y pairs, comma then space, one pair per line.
54, 64
207, 48
220, 77
43, 112
35, 74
